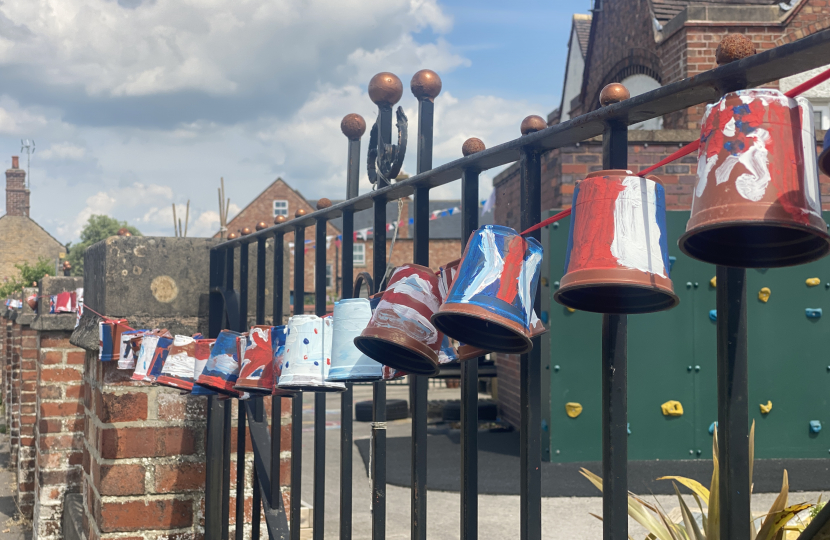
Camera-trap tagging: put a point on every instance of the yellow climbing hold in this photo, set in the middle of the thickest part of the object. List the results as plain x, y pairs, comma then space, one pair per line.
672, 408
572, 310
573, 409
765, 409
763, 294
813, 281
714, 281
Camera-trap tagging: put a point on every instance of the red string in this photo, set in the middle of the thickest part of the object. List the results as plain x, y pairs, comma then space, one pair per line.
689, 148
106, 319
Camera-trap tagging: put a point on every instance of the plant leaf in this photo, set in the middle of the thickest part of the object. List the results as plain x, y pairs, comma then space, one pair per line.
777, 507
693, 485
781, 518
713, 524
702, 513
691, 525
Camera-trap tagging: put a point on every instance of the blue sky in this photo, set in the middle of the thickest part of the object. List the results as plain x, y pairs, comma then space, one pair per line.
138, 104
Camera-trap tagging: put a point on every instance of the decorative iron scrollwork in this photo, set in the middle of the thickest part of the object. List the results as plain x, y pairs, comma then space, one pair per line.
384, 161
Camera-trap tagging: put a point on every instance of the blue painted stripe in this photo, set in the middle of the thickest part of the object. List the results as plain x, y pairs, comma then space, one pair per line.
660, 194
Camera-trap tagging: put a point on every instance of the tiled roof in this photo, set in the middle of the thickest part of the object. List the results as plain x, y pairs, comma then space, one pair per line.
665, 10
582, 27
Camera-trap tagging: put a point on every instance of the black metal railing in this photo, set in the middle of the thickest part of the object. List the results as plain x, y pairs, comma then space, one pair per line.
228, 309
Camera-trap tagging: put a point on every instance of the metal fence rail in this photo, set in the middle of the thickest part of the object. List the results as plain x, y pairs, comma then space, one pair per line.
229, 309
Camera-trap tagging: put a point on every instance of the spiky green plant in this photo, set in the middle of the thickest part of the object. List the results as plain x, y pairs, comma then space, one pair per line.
661, 527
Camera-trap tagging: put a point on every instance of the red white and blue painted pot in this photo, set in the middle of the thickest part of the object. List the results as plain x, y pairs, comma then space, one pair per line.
452, 351
151, 358
222, 368
201, 355
490, 302
401, 334
258, 372
307, 355
348, 363
757, 202
618, 251
109, 339
177, 371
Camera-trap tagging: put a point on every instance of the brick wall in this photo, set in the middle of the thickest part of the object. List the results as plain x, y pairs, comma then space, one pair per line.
17, 196
59, 429
27, 418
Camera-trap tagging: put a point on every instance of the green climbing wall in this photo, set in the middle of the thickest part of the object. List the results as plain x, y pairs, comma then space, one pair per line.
672, 356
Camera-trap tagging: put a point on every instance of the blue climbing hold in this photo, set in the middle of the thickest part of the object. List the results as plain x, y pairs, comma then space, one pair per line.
628, 427
544, 317
305, 340
815, 426
544, 425
813, 313
713, 315
712, 427
672, 260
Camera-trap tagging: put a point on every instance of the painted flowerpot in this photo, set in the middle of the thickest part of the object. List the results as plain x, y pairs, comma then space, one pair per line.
222, 368
490, 302
401, 334
307, 357
109, 339
257, 373
201, 353
756, 201
159, 359
178, 369
348, 363
130, 346
451, 350
618, 252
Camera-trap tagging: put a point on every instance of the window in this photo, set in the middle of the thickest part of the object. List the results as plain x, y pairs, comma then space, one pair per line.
280, 208
328, 277
359, 254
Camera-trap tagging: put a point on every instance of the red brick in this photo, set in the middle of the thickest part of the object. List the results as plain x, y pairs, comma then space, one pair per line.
55, 342
118, 443
183, 476
121, 407
51, 357
60, 375
75, 357
60, 409
146, 515
119, 479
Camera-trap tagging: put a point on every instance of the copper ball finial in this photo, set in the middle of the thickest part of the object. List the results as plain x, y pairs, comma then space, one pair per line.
245, 231
734, 47
67, 265
323, 203
533, 123
299, 213
385, 89
472, 146
613, 93
280, 219
123, 231
426, 84
261, 225
353, 126
232, 236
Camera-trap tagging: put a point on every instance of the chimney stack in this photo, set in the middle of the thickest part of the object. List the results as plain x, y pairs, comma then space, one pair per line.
17, 196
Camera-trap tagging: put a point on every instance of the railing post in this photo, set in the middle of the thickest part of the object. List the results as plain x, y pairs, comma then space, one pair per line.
319, 397
242, 326
226, 426
276, 401
469, 368
425, 85
297, 400
614, 379
733, 407
530, 363
258, 405
379, 389
215, 412
353, 127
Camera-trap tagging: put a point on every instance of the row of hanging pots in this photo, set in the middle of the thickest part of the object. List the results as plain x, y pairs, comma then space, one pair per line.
756, 204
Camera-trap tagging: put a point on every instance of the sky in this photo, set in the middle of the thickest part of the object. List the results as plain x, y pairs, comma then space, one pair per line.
135, 105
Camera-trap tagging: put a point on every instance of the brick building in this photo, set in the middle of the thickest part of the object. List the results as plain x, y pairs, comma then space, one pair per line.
21, 238
281, 199
645, 44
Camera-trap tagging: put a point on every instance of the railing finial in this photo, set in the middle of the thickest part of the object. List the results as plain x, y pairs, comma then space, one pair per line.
299, 213
385, 89
613, 93
472, 146
353, 126
323, 203
533, 123
426, 84
261, 225
280, 219
734, 47
232, 236
246, 231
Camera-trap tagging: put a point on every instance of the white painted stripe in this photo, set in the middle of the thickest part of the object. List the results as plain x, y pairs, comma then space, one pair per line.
636, 241
492, 269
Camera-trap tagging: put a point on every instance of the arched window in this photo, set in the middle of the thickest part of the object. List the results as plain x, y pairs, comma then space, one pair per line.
640, 84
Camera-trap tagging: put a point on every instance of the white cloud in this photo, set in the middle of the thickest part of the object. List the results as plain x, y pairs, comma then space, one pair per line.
63, 150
